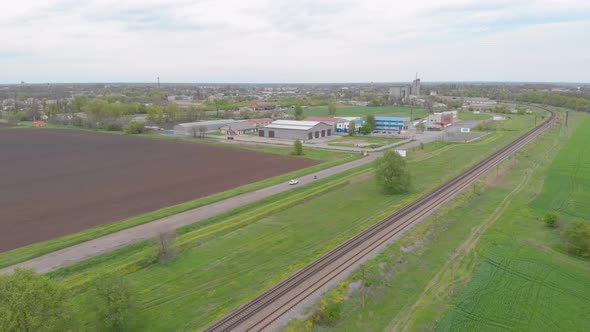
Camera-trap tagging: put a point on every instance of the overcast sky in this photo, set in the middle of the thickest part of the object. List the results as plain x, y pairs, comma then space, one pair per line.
294, 40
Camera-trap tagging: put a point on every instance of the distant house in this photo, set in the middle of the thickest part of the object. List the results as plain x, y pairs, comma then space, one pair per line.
264, 106
301, 130
239, 128
188, 129
260, 122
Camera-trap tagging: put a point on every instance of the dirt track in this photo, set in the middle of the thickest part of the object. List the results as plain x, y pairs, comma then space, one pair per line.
57, 182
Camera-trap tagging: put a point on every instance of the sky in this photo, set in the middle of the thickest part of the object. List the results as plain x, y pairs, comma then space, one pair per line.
294, 41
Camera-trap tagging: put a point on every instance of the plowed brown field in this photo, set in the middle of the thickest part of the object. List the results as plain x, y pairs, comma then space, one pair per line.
58, 182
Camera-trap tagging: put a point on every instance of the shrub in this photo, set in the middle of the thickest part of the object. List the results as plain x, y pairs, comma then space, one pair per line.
298, 148
77, 121
113, 301
134, 127
577, 238
31, 302
551, 219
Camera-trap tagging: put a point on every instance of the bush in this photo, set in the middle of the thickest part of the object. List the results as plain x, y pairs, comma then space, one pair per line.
113, 302
577, 238
366, 129
31, 302
134, 127
298, 148
551, 219
77, 121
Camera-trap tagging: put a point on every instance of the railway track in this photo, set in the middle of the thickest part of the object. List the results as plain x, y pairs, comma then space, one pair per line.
263, 310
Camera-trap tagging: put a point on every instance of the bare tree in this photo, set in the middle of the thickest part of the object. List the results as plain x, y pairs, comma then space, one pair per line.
202, 131
165, 244
194, 131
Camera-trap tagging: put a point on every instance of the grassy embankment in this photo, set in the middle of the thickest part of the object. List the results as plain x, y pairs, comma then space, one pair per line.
400, 111
368, 142
327, 158
487, 261
229, 259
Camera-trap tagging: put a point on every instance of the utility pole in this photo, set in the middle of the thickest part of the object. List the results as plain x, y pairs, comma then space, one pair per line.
567, 113
158, 82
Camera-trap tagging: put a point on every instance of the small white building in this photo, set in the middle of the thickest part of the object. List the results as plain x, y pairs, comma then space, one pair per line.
301, 130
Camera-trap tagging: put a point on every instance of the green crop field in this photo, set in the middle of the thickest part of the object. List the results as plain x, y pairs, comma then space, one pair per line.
485, 262
567, 185
229, 259
401, 111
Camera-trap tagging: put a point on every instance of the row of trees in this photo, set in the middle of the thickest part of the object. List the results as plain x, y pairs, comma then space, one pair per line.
559, 100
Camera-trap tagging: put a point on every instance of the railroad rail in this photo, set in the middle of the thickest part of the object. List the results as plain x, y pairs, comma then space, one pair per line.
263, 310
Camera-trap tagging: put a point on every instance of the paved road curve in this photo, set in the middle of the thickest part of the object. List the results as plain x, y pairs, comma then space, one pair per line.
107, 243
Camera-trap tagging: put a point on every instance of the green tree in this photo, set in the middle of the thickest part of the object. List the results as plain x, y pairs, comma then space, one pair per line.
31, 302
576, 237
551, 219
370, 119
170, 112
113, 302
155, 114
391, 173
421, 127
298, 148
50, 110
299, 113
351, 128
332, 109
79, 103
366, 129
133, 127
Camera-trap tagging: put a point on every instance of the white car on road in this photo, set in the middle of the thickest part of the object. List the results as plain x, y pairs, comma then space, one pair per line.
294, 181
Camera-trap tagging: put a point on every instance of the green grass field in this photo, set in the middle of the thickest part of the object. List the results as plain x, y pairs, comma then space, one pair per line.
327, 158
485, 263
472, 116
401, 111
229, 259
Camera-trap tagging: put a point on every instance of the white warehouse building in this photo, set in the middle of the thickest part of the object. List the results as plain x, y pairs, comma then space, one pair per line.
301, 130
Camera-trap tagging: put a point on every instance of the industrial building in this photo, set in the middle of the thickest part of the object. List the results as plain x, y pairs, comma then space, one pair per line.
189, 129
301, 130
438, 121
342, 127
400, 93
391, 124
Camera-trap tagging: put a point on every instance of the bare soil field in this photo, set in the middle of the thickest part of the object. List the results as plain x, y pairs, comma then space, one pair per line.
58, 182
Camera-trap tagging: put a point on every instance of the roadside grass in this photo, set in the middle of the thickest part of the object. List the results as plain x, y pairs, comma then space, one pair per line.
372, 141
473, 116
341, 110
229, 259
329, 159
484, 262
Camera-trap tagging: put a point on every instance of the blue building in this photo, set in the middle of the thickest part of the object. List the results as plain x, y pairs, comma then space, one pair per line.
387, 123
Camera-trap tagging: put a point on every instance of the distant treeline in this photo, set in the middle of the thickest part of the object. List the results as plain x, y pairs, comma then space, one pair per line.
558, 100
